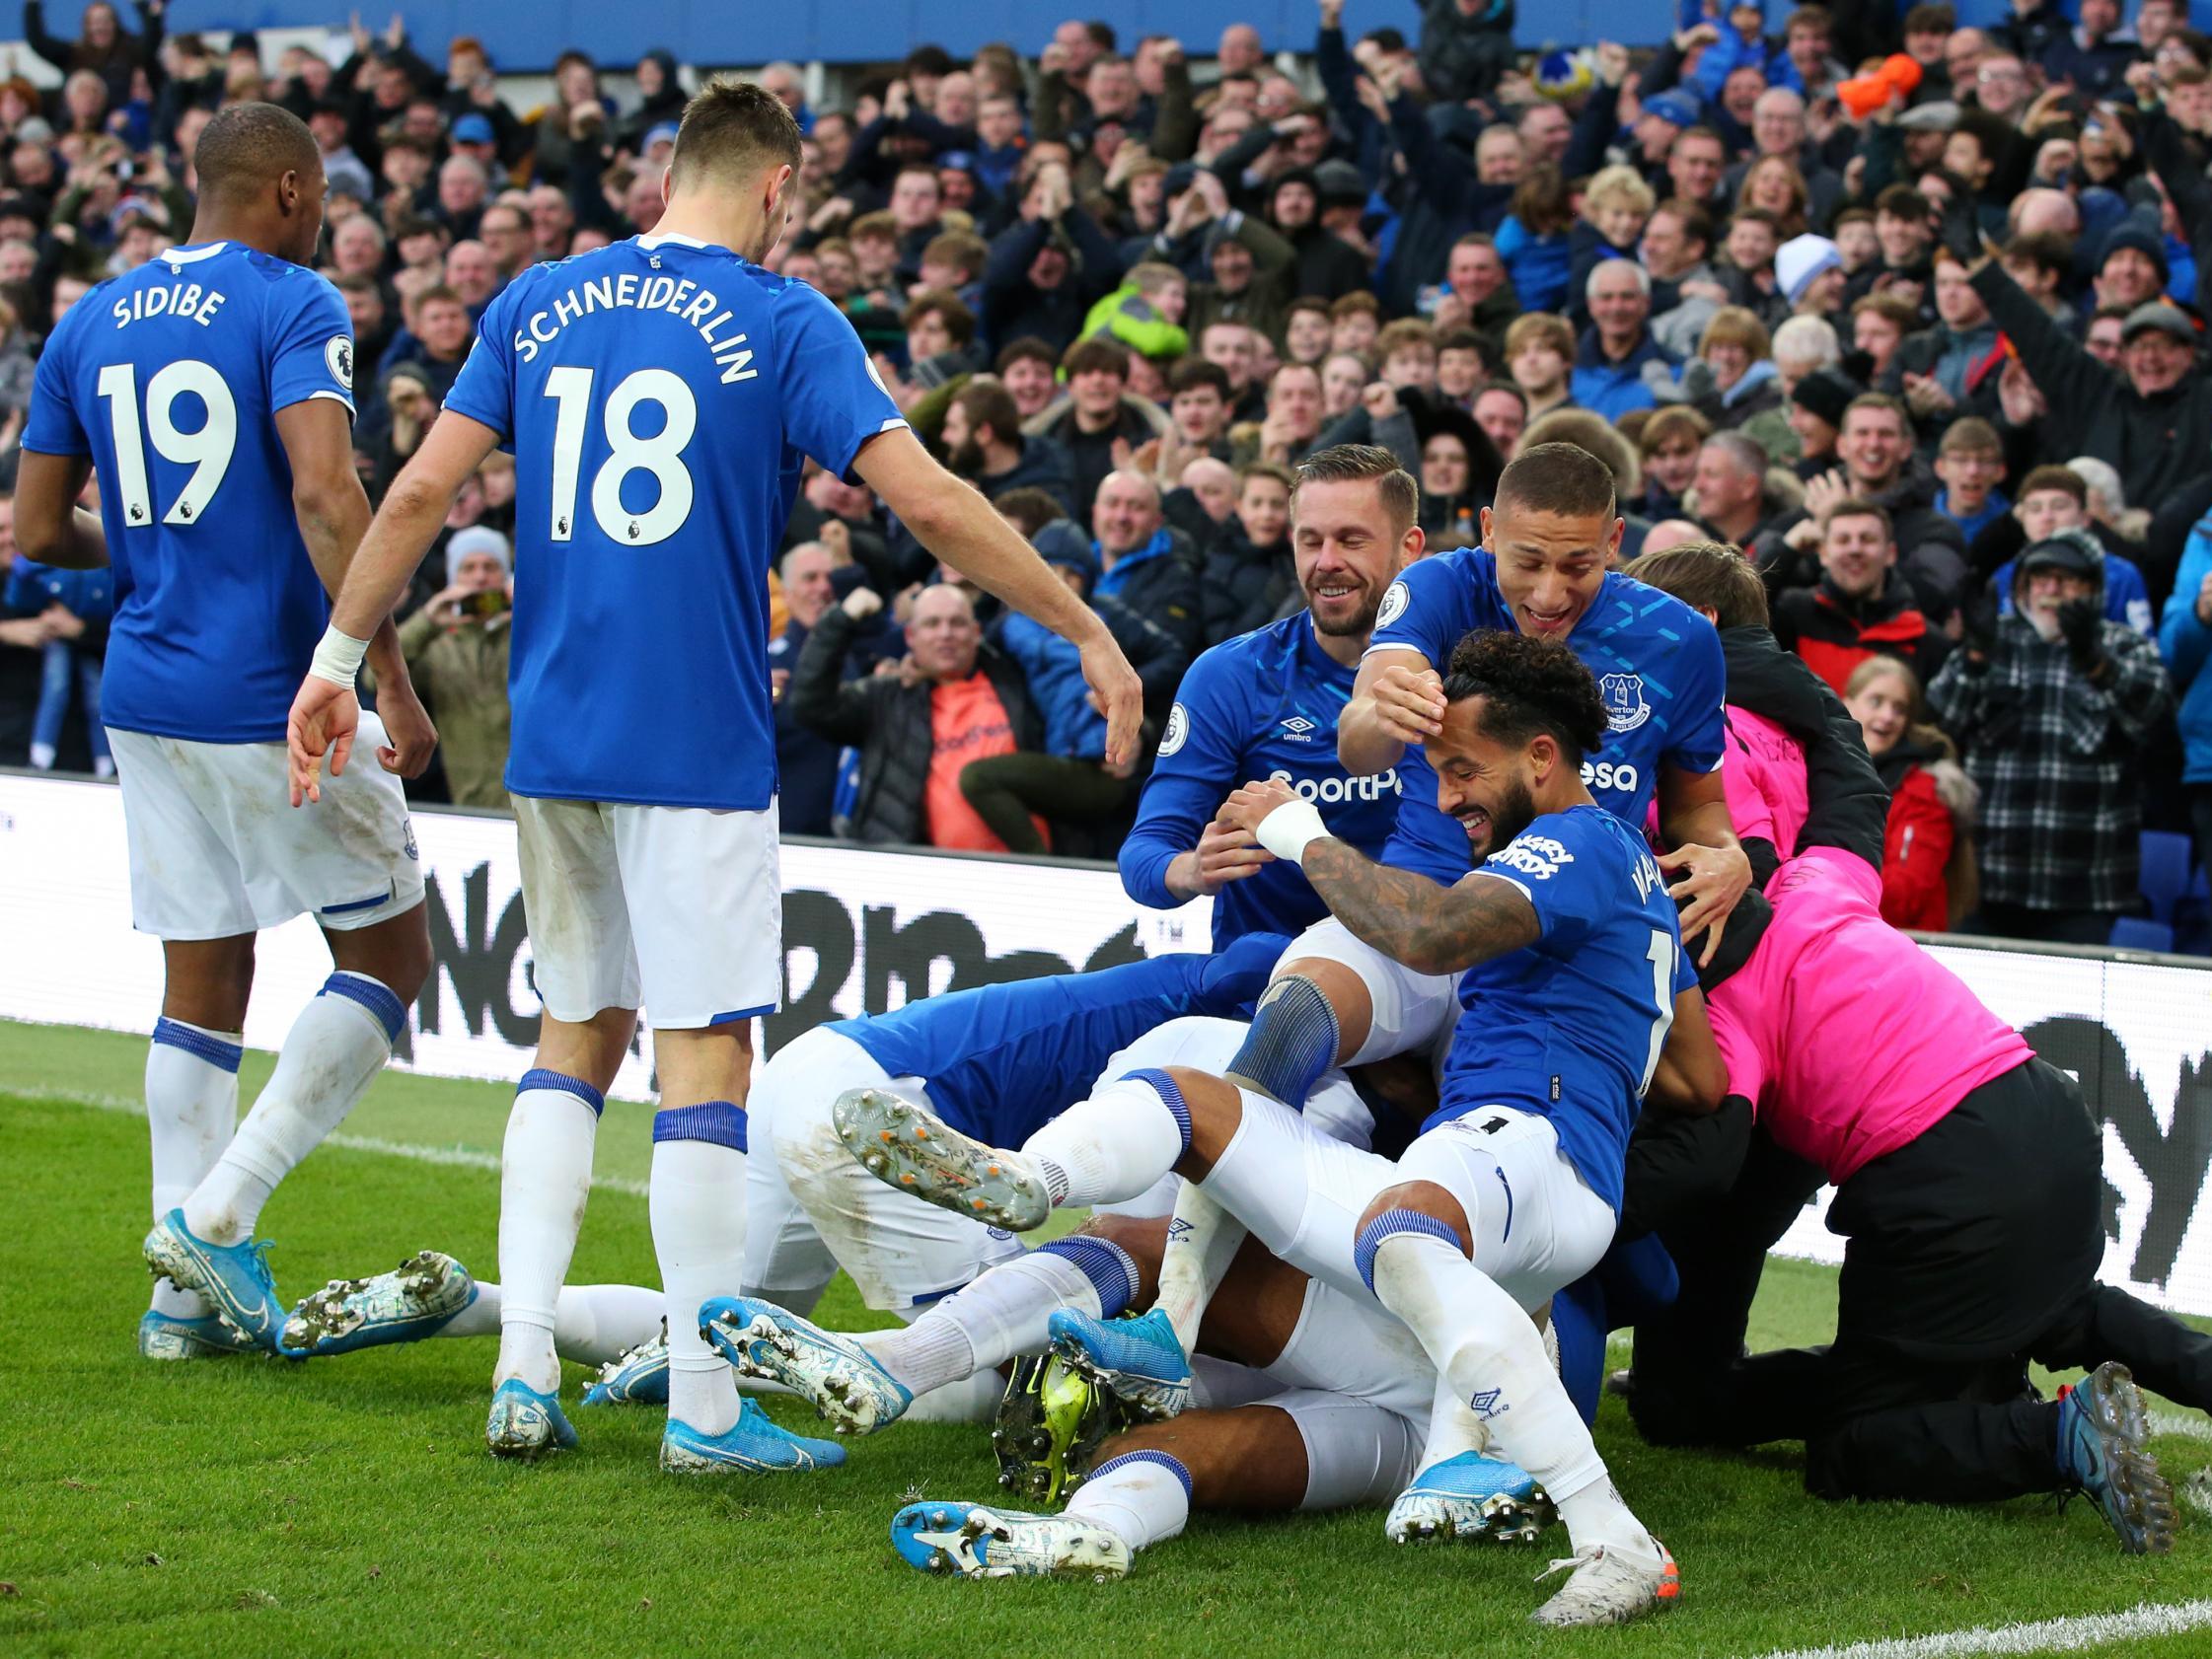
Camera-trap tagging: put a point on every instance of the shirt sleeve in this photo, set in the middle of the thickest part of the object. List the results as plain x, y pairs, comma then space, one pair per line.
1699, 736
1740, 1054
485, 388
53, 428
1201, 759
834, 402
312, 353
1427, 610
1562, 869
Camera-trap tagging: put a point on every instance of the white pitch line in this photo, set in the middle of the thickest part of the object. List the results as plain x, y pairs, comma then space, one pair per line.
454, 1157
2173, 1423
2046, 1635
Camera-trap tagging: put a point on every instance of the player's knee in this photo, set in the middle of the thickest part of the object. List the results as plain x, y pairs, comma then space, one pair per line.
1214, 1112
1296, 1037
1142, 1239
1422, 1199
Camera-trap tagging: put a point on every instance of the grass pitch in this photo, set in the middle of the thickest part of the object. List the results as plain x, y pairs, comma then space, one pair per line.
347, 1506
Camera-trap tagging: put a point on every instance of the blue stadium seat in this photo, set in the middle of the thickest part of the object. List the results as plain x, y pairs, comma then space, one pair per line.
2165, 874
2133, 933
2192, 918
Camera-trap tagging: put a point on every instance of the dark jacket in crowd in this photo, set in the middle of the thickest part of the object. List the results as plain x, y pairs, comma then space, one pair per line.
1012, 306
1159, 581
806, 765
1930, 548
1244, 587
115, 65
888, 721
2156, 444
1834, 633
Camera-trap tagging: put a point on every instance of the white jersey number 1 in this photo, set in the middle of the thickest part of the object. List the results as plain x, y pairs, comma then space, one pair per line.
660, 455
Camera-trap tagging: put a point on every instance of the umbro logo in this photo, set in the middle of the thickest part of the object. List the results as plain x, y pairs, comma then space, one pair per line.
1299, 729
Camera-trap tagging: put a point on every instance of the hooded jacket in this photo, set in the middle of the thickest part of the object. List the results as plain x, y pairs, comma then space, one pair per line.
2057, 758
1834, 633
1931, 804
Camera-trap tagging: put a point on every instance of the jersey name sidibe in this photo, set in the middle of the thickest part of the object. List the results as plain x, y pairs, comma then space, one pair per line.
190, 301
630, 292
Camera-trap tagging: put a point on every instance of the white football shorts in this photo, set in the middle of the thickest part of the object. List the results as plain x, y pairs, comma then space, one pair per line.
680, 906
217, 850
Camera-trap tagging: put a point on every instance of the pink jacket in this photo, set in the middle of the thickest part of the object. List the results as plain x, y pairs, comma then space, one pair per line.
1847, 1037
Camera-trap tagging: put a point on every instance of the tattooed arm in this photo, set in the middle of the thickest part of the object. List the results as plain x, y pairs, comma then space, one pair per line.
1432, 929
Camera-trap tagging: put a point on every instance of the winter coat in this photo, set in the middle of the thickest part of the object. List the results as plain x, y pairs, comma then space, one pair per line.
1930, 548
462, 674
1610, 389
1054, 669
1929, 839
889, 721
1243, 587
2187, 644
2157, 444
1462, 56
1835, 633
2057, 758
1159, 581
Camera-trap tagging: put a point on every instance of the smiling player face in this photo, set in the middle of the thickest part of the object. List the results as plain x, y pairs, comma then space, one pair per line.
1549, 566
1485, 786
1346, 553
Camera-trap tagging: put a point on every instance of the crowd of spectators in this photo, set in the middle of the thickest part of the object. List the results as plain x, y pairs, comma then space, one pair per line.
1907, 310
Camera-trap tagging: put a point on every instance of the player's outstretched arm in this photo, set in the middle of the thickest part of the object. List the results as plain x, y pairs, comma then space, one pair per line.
956, 523
1694, 822
1398, 699
50, 527
1408, 918
332, 512
1691, 1078
325, 714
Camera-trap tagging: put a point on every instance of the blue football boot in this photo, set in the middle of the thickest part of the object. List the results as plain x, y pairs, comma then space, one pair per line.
753, 1446
967, 1540
525, 1425
235, 1277
842, 1379
637, 1376
416, 1299
2101, 1428
1138, 1359
1467, 1498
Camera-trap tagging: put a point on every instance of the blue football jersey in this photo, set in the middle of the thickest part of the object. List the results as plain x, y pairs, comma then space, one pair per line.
1264, 704
1658, 664
1570, 1027
1003, 1060
660, 397
169, 379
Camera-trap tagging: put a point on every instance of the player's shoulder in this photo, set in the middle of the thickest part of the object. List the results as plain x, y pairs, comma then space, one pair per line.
1627, 606
1270, 647
1475, 566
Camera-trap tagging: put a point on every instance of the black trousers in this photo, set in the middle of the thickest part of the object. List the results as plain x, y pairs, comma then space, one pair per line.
1972, 1251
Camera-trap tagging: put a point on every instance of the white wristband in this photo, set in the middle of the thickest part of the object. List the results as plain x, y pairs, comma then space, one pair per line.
1287, 830
337, 657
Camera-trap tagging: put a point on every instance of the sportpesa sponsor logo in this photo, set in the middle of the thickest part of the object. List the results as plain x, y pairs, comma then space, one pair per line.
1606, 775
1333, 791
